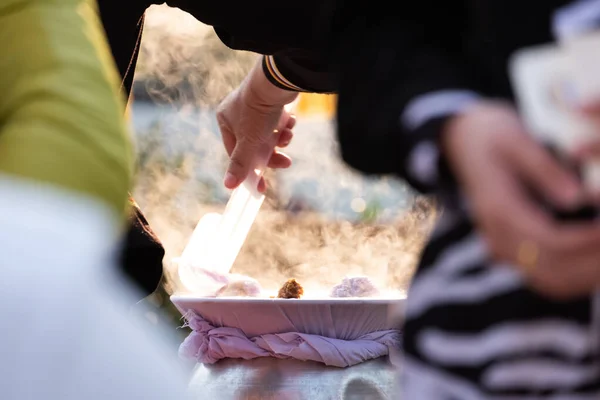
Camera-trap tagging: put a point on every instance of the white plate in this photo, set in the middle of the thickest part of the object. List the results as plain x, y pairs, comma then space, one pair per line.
347, 318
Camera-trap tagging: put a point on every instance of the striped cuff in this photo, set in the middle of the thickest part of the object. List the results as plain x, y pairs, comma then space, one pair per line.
424, 118
576, 19
435, 105
275, 76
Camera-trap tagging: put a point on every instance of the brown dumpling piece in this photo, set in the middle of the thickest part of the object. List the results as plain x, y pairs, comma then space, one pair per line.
291, 289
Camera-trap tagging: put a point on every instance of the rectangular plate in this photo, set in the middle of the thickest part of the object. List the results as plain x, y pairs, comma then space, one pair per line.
332, 317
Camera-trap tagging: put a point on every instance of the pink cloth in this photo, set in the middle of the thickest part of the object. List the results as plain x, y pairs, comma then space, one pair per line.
207, 344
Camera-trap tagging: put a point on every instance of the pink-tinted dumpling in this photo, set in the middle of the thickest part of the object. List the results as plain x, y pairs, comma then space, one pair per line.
240, 286
358, 286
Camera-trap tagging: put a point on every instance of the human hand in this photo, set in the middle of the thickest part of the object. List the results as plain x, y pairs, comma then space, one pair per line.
498, 165
253, 123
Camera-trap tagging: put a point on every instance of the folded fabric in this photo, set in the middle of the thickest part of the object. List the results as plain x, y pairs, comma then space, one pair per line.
208, 344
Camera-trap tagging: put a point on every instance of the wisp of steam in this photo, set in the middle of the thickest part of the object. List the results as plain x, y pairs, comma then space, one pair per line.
320, 222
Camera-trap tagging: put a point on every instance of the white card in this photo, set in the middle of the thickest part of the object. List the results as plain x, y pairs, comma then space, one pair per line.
546, 94
538, 80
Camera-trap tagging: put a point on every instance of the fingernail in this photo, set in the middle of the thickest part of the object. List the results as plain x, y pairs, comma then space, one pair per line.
230, 180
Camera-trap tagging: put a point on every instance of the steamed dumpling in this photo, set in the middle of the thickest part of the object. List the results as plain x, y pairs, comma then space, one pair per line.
240, 286
358, 286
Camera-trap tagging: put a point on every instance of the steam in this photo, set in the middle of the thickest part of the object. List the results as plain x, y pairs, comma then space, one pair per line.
183, 60
187, 71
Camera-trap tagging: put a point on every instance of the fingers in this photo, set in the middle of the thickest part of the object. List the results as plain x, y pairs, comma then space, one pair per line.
285, 137
244, 158
227, 135
545, 174
262, 185
291, 122
566, 278
279, 160
228, 140
590, 108
588, 151
569, 255
287, 122
247, 151
526, 219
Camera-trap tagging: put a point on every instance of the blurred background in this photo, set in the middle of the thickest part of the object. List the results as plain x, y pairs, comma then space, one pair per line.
320, 218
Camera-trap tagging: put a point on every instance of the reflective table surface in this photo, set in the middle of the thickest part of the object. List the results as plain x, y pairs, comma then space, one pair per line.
274, 379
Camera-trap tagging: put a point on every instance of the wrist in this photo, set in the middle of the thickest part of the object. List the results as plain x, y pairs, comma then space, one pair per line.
486, 112
262, 92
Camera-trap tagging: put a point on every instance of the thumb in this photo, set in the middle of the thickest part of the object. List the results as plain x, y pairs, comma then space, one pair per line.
244, 159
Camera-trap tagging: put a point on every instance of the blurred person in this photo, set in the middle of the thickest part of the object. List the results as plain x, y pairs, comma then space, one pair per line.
504, 303
65, 169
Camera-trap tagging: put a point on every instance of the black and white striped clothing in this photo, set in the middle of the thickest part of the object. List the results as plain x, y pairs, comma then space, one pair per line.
474, 331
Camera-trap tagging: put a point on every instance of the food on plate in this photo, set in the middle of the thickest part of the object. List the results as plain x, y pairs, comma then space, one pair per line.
240, 286
291, 289
358, 286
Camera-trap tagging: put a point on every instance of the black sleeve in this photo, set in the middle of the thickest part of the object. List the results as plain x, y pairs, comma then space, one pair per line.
299, 72
295, 69
293, 35
400, 80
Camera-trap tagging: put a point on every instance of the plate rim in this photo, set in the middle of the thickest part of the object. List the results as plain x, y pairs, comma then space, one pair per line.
261, 300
